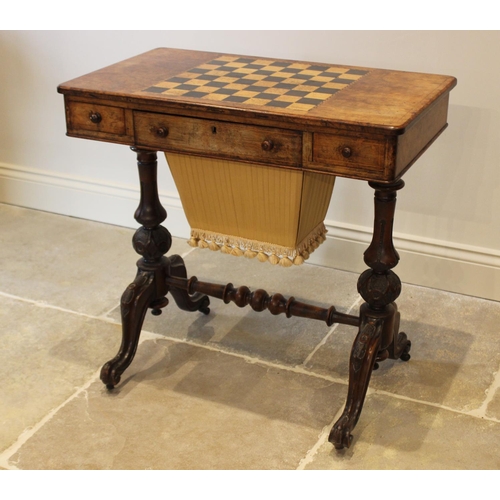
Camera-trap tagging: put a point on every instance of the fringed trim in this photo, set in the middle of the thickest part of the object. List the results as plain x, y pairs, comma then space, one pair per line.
275, 254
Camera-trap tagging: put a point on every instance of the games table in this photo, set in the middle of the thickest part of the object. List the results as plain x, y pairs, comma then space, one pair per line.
252, 114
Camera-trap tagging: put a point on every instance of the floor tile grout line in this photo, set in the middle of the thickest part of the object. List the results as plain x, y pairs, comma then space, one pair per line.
186, 253
328, 335
429, 403
490, 393
302, 371
325, 432
32, 430
46, 305
296, 369
322, 439
105, 315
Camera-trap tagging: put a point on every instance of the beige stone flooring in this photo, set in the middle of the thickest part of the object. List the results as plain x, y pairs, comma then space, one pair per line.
232, 390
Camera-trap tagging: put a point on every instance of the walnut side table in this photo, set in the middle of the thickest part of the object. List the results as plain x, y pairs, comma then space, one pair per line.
362, 123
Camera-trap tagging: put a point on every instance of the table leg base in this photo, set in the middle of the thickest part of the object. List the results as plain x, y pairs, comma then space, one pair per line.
378, 338
148, 290
134, 304
195, 302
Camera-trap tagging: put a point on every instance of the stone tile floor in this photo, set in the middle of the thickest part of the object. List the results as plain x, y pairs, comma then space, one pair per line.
232, 390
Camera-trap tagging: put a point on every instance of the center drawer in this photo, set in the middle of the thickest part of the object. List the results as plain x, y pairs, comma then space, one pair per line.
218, 139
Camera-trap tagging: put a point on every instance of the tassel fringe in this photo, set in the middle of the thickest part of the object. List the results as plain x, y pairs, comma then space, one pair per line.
265, 252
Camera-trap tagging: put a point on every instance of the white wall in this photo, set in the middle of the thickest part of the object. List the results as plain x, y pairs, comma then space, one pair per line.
446, 223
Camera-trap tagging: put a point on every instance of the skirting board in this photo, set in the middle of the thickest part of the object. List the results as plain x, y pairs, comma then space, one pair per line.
82, 197
431, 263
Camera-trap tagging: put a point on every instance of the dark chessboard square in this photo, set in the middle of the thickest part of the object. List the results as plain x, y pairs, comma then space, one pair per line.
256, 88
292, 70
264, 72
315, 83
357, 72
313, 102
198, 70
226, 91
282, 85
207, 77
282, 64
195, 94
253, 66
233, 74
235, 98
297, 93
275, 78
316, 68
278, 104
178, 79
265, 96
302, 77
187, 86
326, 90
245, 81
215, 84
343, 80
330, 74
244, 60
156, 90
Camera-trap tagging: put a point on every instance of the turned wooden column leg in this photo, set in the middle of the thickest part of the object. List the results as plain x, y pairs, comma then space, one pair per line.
149, 288
378, 336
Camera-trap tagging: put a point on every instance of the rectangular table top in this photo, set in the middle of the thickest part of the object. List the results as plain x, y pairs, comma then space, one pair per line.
362, 123
300, 92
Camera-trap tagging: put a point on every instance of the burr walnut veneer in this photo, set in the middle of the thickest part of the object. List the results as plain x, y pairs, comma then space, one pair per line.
335, 120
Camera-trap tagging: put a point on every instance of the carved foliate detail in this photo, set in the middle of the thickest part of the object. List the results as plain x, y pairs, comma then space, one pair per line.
379, 290
142, 281
152, 244
369, 332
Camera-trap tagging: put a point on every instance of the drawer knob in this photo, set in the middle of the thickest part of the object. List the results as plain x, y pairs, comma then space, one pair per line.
162, 132
95, 117
267, 145
346, 152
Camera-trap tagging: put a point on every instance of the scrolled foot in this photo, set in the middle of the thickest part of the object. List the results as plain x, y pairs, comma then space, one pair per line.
340, 435
363, 355
109, 375
405, 354
134, 303
401, 347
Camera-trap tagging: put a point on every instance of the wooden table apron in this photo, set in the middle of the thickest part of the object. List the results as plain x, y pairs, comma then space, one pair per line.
361, 123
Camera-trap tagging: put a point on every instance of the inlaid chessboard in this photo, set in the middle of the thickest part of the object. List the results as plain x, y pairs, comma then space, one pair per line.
287, 85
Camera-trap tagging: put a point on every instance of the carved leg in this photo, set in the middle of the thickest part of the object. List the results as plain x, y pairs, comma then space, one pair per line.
375, 330
134, 304
363, 354
378, 337
149, 288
